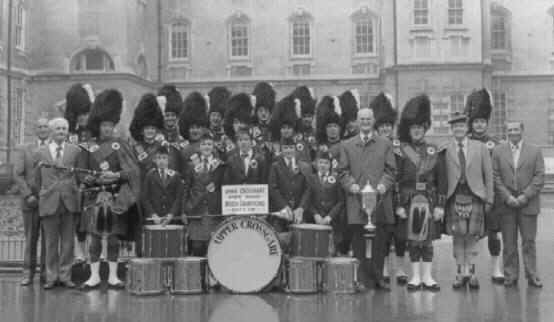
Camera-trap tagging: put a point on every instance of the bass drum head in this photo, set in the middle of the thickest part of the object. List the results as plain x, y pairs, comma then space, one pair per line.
244, 254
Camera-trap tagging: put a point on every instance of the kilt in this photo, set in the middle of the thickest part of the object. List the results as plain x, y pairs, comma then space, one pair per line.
95, 221
458, 226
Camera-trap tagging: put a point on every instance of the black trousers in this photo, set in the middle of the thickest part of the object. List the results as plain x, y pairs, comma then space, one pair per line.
370, 270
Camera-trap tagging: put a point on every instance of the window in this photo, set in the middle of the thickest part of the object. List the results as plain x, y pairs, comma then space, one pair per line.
20, 27
499, 29
440, 116
239, 39
455, 12
365, 36
301, 69
92, 60
422, 47
421, 12
498, 118
179, 41
459, 46
457, 103
301, 45
18, 119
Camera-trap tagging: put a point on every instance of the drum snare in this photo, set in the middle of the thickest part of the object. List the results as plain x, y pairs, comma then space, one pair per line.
310, 240
340, 275
164, 241
145, 276
303, 275
188, 276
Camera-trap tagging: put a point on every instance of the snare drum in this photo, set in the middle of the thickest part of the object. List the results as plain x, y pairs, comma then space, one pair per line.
340, 275
309, 240
244, 254
303, 275
145, 276
188, 275
160, 241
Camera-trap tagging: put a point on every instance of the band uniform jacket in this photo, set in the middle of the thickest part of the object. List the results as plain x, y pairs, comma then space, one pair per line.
25, 171
162, 197
178, 151
478, 170
145, 154
326, 198
235, 172
201, 200
334, 150
361, 162
420, 170
287, 188
116, 156
526, 178
492, 218
54, 185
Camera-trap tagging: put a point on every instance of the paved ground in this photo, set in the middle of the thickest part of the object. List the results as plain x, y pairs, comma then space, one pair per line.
491, 303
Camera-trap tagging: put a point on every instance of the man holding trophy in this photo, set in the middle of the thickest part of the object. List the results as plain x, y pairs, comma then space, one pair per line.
366, 169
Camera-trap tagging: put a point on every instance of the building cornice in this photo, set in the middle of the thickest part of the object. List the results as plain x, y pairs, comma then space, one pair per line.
439, 66
523, 76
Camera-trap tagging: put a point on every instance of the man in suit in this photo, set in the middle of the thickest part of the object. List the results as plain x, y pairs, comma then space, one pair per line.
58, 197
24, 175
247, 166
469, 196
368, 159
519, 178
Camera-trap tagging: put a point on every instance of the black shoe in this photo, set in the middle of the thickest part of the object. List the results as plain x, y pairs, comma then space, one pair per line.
382, 285
85, 287
497, 279
401, 280
433, 287
414, 287
67, 284
459, 283
473, 283
26, 281
49, 285
535, 282
510, 282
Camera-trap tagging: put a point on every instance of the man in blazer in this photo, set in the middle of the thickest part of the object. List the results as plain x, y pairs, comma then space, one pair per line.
246, 166
24, 175
470, 183
58, 201
519, 178
365, 158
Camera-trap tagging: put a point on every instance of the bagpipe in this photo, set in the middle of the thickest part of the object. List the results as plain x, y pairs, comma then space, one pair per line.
43, 164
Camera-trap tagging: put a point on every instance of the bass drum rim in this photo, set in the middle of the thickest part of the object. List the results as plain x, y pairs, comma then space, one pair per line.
272, 231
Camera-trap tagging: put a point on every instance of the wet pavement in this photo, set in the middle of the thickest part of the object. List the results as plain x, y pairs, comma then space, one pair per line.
490, 303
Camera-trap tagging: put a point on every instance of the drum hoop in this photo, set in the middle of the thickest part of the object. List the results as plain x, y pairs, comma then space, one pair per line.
311, 227
160, 227
341, 260
271, 230
191, 259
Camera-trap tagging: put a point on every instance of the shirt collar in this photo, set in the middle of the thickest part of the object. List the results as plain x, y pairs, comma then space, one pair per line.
324, 174
516, 146
248, 153
369, 136
54, 145
464, 142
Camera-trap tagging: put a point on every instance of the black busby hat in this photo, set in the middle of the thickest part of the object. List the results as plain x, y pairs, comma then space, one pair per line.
307, 99
107, 106
478, 105
350, 104
206, 136
195, 112
174, 100
265, 96
218, 99
147, 113
383, 111
286, 112
240, 107
78, 101
329, 111
416, 111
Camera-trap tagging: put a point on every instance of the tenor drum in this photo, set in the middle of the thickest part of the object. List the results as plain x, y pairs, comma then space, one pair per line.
163, 241
309, 240
145, 276
340, 275
303, 275
244, 254
188, 275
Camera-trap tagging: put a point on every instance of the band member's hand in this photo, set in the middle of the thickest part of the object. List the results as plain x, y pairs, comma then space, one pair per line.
327, 220
318, 220
31, 200
167, 219
184, 219
89, 179
522, 200
156, 219
298, 215
438, 213
512, 202
488, 207
401, 212
381, 188
109, 176
355, 188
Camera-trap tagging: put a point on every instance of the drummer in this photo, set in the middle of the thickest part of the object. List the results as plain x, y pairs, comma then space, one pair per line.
162, 191
289, 192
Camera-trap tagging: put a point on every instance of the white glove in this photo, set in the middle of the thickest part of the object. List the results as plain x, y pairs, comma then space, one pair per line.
438, 213
401, 212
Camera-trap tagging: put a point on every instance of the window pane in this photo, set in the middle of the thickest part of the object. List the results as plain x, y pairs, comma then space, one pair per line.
364, 37
498, 30
421, 12
239, 40
498, 118
94, 60
179, 41
301, 38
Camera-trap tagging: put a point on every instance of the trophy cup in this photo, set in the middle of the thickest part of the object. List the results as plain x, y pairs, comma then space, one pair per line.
369, 200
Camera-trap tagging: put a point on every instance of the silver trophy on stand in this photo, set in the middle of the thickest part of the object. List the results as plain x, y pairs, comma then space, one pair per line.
369, 201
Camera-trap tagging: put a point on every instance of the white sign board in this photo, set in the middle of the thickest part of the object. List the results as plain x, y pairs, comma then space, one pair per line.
248, 199
549, 165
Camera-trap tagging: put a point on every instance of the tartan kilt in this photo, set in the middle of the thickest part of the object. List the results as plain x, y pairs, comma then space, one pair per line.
457, 226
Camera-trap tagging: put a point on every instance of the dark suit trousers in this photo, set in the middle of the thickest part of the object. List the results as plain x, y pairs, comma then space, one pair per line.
59, 232
370, 270
511, 223
31, 226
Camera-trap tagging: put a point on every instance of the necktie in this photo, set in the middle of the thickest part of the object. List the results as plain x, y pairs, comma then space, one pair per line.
243, 157
58, 152
162, 175
206, 165
366, 139
462, 158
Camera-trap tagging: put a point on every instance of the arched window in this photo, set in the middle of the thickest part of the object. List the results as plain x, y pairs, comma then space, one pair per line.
364, 24
301, 36
239, 36
142, 68
92, 60
500, 27
179, 41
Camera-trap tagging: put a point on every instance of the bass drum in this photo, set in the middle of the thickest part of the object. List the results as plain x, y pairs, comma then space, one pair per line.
244, 254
